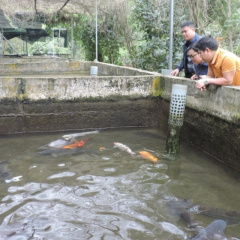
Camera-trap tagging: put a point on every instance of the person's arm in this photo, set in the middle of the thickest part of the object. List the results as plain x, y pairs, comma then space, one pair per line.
225, 80
228, 71
178, 69
180, 66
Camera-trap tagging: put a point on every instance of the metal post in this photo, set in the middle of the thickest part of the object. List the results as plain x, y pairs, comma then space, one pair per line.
96, 33
53, 42
171, 36
72, 36
59, 37
27, 45
1, 45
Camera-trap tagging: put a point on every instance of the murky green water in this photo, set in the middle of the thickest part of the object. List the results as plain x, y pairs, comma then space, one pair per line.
108, 194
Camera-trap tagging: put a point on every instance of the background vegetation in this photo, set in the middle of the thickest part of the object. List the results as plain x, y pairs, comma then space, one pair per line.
136, 32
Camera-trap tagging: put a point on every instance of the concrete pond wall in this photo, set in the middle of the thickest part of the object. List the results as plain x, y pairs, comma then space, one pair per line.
38, 96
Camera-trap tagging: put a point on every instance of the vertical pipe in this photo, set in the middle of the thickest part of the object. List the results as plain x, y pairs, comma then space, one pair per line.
59, 37
27, 45
23, 42
72, 37
96, 32
1, 44
53, 42
175, 121
171, 36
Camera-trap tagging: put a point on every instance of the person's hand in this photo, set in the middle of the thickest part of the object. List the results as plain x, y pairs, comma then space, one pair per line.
200, 85
174, 72
194, 77
203, 76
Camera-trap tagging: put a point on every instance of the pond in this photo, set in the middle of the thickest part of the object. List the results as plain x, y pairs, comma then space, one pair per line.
105, 192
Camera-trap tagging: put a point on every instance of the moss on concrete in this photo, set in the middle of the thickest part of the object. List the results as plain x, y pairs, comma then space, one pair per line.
156, 89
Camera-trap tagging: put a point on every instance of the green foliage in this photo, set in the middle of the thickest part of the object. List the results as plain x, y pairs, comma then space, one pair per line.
50, 47
109, 39
153, 21
136, 32
85, 30
151, 51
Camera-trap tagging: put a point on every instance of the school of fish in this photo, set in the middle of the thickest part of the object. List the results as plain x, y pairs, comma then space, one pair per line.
68, 142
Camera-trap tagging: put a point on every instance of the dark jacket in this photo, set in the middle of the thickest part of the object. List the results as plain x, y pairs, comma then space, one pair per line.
200, 69
186, 62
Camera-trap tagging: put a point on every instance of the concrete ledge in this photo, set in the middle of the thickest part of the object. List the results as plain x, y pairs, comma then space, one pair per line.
218, 101
221, 102
34, 66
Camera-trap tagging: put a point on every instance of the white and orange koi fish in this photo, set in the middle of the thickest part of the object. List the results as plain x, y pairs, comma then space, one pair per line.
123, 148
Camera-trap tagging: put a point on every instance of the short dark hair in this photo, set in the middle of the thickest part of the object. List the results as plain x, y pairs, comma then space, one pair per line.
193, 47
206, 42
188, 24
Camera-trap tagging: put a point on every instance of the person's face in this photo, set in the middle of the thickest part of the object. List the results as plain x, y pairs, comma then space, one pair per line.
195, 57
206, 55
188, 33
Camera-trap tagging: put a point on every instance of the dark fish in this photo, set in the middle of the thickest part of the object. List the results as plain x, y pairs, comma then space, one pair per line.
4, 174
214, 231
231, 217
149, 135
179, 208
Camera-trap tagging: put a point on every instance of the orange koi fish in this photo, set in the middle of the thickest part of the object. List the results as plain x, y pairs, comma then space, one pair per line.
102, 148
76, 144
148, 156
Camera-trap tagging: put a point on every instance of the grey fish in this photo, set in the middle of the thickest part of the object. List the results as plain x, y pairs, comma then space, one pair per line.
231, 217
56, 144
214, 231
4, 174
179, 208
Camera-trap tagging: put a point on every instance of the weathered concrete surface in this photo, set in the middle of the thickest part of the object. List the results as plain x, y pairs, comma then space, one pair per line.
52, 116
218, 101
73, 88
211, 120
39, 103
54, 65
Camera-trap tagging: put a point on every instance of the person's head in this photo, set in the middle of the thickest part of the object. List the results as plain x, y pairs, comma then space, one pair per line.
188, 30
207, 46
195, 57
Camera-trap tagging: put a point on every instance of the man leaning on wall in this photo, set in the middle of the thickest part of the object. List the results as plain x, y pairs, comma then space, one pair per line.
223, 66
191, 37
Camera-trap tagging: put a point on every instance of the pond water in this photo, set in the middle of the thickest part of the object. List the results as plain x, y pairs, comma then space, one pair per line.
104, 192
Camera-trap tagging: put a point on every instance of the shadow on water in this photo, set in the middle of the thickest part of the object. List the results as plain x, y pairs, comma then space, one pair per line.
106, 190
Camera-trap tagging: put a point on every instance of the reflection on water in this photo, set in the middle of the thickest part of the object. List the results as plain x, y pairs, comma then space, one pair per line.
109, 193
